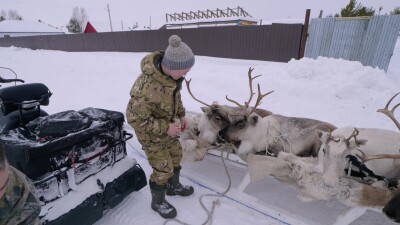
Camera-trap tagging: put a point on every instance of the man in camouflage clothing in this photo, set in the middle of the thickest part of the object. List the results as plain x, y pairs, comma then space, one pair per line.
154, 105
18, 204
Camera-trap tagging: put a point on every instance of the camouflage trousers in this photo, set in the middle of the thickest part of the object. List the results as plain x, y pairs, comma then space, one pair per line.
163, 157
19, 205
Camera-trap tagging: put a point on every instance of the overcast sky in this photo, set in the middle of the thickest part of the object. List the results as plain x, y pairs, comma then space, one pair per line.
58, 12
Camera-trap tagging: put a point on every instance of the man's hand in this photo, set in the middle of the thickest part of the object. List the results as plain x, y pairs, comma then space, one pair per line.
173, 130
184, 123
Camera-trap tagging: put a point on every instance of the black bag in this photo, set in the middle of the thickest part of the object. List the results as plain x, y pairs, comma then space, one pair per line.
89, 141
62, 150
36, 154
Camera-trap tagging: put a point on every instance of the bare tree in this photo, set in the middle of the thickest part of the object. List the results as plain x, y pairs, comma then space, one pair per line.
11, 15
14, 15
83, 17
3, 14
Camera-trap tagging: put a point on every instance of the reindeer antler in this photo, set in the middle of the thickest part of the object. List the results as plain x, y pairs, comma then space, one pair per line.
390, 113
354, 134
259, 98
233, 101
246, 104
330, 137
190, 92
364, 157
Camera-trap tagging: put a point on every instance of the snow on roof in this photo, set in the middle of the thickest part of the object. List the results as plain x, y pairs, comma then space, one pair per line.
284, 20
14, 26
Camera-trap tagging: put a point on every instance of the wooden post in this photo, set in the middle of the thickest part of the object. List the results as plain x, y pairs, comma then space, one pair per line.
320, 13
304, 34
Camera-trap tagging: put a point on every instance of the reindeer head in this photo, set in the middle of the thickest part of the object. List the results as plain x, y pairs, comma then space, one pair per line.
243, 120
214, 119
217, 117
337, 145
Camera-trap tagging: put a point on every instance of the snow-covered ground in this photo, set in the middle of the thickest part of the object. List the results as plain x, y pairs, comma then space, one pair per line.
333, 90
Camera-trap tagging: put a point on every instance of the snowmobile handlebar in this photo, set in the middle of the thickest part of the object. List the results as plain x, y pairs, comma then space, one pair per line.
2, 80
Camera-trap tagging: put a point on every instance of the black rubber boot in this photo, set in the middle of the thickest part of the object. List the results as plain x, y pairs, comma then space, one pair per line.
174, 187
158, 202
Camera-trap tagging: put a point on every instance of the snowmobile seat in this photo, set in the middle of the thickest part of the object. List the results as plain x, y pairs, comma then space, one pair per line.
24, 96
13, 120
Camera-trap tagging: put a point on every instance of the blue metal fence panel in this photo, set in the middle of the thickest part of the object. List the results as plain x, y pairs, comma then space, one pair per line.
369, 40
387, 41
322, 31
347, 39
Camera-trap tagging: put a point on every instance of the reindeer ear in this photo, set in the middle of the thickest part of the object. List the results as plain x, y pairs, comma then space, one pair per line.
322, 135
362, 142
254, 120
319, 133
207, 111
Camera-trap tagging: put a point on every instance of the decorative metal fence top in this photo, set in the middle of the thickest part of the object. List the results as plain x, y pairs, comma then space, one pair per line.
218, 13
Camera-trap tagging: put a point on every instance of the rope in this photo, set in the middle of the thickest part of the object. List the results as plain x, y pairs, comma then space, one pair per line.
215, 202
230, 198
283, 137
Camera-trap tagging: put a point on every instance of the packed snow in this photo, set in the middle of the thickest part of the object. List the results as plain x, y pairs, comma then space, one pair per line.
333, 90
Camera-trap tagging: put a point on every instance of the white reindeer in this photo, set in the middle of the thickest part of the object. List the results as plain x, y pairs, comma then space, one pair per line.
300, 172
349, 191
345, 142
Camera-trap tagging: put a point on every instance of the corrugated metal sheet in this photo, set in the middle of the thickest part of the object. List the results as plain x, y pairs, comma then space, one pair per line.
276, 42
368, 40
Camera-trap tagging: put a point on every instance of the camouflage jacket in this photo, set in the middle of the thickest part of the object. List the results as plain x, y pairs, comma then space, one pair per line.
19, 205
155, 101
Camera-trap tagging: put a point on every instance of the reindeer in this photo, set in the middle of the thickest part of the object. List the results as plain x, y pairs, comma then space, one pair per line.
215, 116
273, 133
349, 191
203, 131
300, 172
379, 149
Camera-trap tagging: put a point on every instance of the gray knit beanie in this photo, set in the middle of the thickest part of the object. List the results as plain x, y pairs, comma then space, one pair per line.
178, 55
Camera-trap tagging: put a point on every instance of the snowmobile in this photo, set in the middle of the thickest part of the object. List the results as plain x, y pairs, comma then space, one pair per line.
76, 160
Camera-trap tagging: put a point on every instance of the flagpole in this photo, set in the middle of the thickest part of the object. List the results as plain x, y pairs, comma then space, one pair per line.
109, 17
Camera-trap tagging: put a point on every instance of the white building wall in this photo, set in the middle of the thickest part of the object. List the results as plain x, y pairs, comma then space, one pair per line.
4, 34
